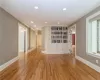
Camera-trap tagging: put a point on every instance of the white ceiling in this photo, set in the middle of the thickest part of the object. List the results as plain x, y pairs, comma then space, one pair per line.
49, 10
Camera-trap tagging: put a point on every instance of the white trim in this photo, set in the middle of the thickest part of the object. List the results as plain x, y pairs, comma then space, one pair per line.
75, 39
44, 52
26, 31
5, 65
30, 50
97, 55
93, 66
21, 51
88, 24
50, 52
75, 36
94, 15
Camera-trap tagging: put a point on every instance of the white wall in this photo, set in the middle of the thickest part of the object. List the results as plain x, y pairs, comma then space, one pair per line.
43, 39
32, 39
39, 39
23, 44
53, 48
21, 39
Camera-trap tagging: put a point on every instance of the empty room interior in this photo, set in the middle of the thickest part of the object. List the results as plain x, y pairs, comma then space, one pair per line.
49, 39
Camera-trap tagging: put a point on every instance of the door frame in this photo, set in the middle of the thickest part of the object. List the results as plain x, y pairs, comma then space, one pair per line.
25, 38
75, 37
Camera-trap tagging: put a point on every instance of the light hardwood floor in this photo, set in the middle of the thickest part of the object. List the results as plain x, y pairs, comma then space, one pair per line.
38, 66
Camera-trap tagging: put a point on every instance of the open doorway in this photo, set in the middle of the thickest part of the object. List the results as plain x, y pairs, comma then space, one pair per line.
39, 39
22, 39
72, 39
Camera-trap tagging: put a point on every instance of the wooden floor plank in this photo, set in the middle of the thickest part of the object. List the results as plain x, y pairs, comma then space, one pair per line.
38, 66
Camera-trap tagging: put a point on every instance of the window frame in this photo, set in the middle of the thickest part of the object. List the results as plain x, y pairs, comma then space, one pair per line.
88, 24
98, 34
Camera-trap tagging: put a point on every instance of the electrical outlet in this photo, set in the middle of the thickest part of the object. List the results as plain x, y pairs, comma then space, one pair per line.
97, 61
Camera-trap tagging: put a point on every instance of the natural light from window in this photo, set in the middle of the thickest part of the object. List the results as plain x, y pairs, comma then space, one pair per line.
93, 36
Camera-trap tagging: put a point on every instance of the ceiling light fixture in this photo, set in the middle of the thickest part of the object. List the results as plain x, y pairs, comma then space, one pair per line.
32, 22
37, 28
34, 25
58, 22
36, 7
64, 9
46, 22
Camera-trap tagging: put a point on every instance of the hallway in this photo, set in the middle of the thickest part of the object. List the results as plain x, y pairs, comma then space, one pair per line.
49, 39
37, 66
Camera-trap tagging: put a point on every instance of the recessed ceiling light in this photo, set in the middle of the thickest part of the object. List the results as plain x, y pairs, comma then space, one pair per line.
34, 25
58, 22
64, 9
32, 22
36, 7
37, 28
46, 22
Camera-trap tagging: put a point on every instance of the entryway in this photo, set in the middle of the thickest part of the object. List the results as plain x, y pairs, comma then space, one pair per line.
22, 39
72, 39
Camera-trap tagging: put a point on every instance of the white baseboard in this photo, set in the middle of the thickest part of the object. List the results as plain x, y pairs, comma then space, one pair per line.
48, 52
30, 50
43, 52
55, 52
21, 50
93, 66
5, 65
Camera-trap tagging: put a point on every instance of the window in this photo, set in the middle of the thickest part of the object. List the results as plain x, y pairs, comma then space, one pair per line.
98, 36
93, 36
